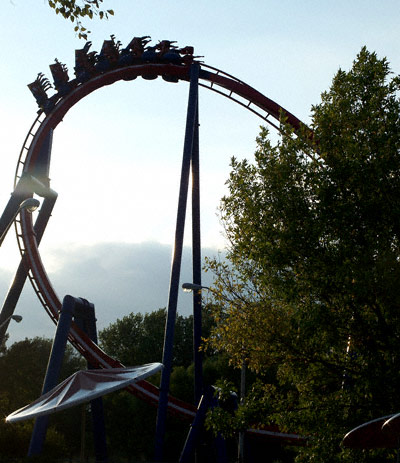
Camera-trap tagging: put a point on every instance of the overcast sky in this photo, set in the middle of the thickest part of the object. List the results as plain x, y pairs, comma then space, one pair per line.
116, 156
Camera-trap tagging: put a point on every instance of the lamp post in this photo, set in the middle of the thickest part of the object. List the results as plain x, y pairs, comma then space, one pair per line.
29, 204
241, 458
17, 318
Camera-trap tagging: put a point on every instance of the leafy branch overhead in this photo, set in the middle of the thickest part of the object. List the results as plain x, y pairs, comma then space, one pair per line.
75, 11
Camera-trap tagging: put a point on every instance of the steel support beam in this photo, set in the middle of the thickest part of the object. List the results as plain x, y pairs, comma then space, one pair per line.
196, 263
14, 292
197, 427
25, 186
85, 318
53, 371
176, 263
82, 312
22, 191
42, 165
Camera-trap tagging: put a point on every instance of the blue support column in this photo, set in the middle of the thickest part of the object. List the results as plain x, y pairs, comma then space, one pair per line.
207, 401
22, 191
196, 252
197, 426
53, 371
176, 264
24, 187
86, 319
17, 285
42, 165
83, 313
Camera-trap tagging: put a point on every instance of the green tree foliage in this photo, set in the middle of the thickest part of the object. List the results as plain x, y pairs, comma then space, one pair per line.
23, 366
75, 11
310, 296
137, 339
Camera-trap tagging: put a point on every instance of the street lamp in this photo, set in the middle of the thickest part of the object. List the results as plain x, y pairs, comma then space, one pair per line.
29, 204
17, 318
189, 287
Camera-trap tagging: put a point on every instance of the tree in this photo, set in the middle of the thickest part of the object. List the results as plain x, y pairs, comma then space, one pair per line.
23, 366
75, 11
136, 338
310, 296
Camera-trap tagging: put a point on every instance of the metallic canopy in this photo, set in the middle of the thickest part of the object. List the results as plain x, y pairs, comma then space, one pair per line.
81, 387
371, 435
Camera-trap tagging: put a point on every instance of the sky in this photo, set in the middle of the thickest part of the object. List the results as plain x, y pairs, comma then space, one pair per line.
116, 156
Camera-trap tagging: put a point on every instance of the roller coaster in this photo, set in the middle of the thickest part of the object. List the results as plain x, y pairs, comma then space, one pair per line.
92, 71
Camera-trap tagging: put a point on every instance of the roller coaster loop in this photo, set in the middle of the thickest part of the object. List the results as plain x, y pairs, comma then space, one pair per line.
93, 71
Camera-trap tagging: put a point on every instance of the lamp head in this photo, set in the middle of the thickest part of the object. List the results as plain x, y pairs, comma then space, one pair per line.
30, 204
189, 287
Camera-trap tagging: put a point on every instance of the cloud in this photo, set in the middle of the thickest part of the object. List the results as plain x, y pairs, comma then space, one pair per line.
118, 278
